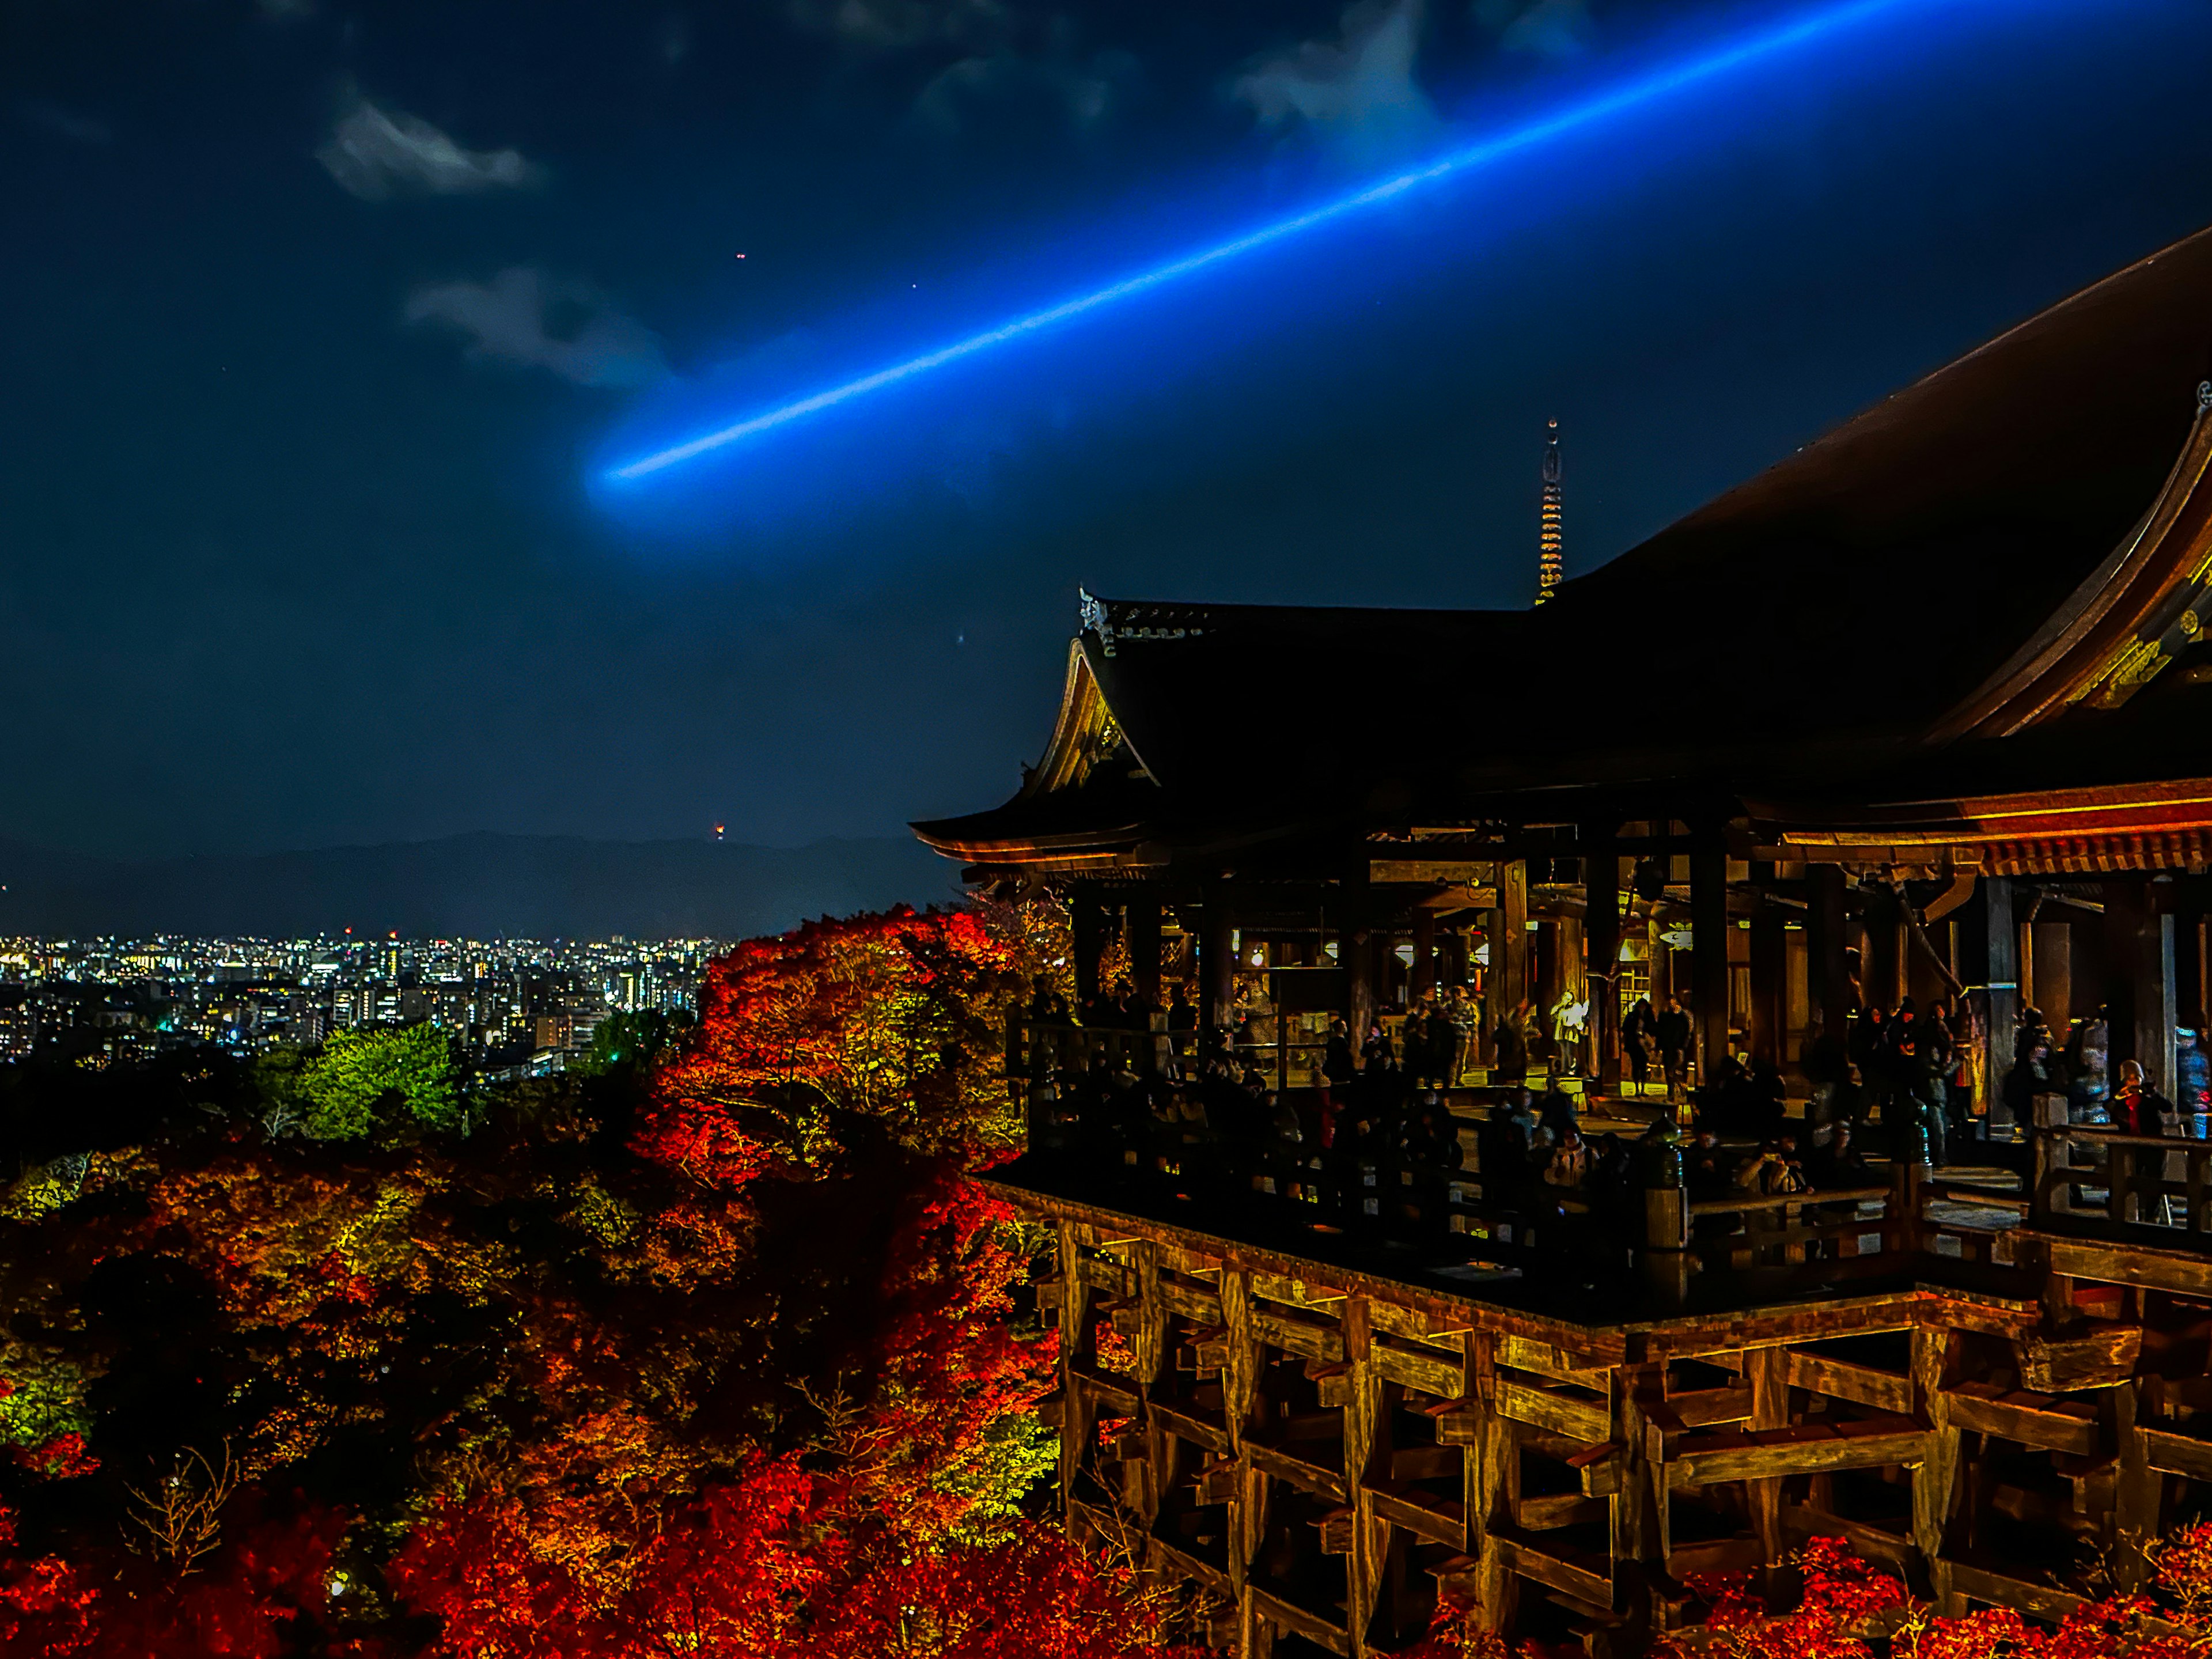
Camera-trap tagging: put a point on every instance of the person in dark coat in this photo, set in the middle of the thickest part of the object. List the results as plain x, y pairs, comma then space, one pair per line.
1639, 1036
1674, 1038
1337, 1064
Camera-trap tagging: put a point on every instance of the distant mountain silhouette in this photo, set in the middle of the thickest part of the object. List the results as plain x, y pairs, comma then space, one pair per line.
480, 886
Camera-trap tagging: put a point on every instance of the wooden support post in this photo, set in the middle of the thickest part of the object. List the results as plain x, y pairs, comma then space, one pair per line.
1492, 1483
1826, 967
1988, 939
1708, 962
1247, 1510
1770, 987
1883, 968
1767, 1372
1364, 1443
1216, 958
1144, 946
1074, 1348
2139, 981
1933, 1358
1087, 920
1151, 1341
1602, 951
2138, 1490
1425, 954
2189, 953
1512, 915
1641, 1534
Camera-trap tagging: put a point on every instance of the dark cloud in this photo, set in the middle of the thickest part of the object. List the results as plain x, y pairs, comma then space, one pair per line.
525, 319
1086, 92
377, 153
1542, 28
898, 25
1357, 89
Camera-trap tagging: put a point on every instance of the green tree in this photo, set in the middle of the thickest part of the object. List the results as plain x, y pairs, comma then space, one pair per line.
364, 1079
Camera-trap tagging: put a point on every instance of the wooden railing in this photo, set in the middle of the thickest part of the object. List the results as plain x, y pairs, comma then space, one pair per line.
1037, 1046
2125, 1181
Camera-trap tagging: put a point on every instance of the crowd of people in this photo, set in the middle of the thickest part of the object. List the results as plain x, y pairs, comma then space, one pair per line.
1376, 1147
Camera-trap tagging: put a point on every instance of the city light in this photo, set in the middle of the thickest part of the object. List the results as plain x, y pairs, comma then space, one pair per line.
1742, 55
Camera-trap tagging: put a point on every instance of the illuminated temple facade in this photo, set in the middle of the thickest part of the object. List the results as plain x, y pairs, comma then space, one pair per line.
1925, 709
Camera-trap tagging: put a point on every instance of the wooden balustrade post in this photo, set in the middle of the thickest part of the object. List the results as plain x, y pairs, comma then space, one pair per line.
2137, 1490
1907, 1225
1934, 1354
1601, 952
1667, 1240
1642, 1535
1491, 1485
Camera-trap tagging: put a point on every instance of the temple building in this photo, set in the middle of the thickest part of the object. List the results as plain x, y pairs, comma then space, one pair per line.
1921, 714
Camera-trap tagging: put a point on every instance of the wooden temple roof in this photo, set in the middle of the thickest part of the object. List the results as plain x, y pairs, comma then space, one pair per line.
1993, 581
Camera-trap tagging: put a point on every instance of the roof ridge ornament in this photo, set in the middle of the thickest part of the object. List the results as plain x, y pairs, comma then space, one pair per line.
1094, 619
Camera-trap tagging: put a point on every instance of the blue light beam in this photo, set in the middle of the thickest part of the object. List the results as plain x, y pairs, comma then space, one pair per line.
1618, 101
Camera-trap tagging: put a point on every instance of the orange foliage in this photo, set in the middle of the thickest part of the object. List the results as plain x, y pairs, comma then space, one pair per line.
894, 1016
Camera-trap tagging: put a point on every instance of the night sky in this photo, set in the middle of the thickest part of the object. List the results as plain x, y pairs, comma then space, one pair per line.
322, 318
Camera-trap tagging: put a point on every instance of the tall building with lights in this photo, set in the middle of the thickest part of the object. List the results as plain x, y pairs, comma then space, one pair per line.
1550, 547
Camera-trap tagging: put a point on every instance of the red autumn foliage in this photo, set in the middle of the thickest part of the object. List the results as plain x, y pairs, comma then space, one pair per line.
724, 1356
891, 1016
1847, 1606
45, 1605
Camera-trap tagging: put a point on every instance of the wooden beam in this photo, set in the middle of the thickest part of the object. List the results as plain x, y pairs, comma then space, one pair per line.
1288, 1465
1429, 1373
1825, 1457
2045, 1601
2178, 1453
1530, 1560
1440, 1520
2185, 1274
1803, 1520
1557, 1413
1299, 1336
1863, 1385
2104, 1357
2034, 1419
1301, 1620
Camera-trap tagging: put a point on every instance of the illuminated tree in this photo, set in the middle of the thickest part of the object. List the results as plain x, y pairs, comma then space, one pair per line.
364, 1079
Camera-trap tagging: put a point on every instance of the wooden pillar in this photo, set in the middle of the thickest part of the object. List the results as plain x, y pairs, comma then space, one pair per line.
1074, 1348
2189, 954
1491, 1486
1425, 954
1601, 952
1934, 1480
1088, 924
1770, 986
1826, 967
1247, 1510
1512, 913
1641, 1531
1359, 956
2139, 981
1143, 1258
1216, 957
1708, 962
1989, 942
1144, 946
1371, 1534
2138, 1490
1767, 1372
1883, 963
